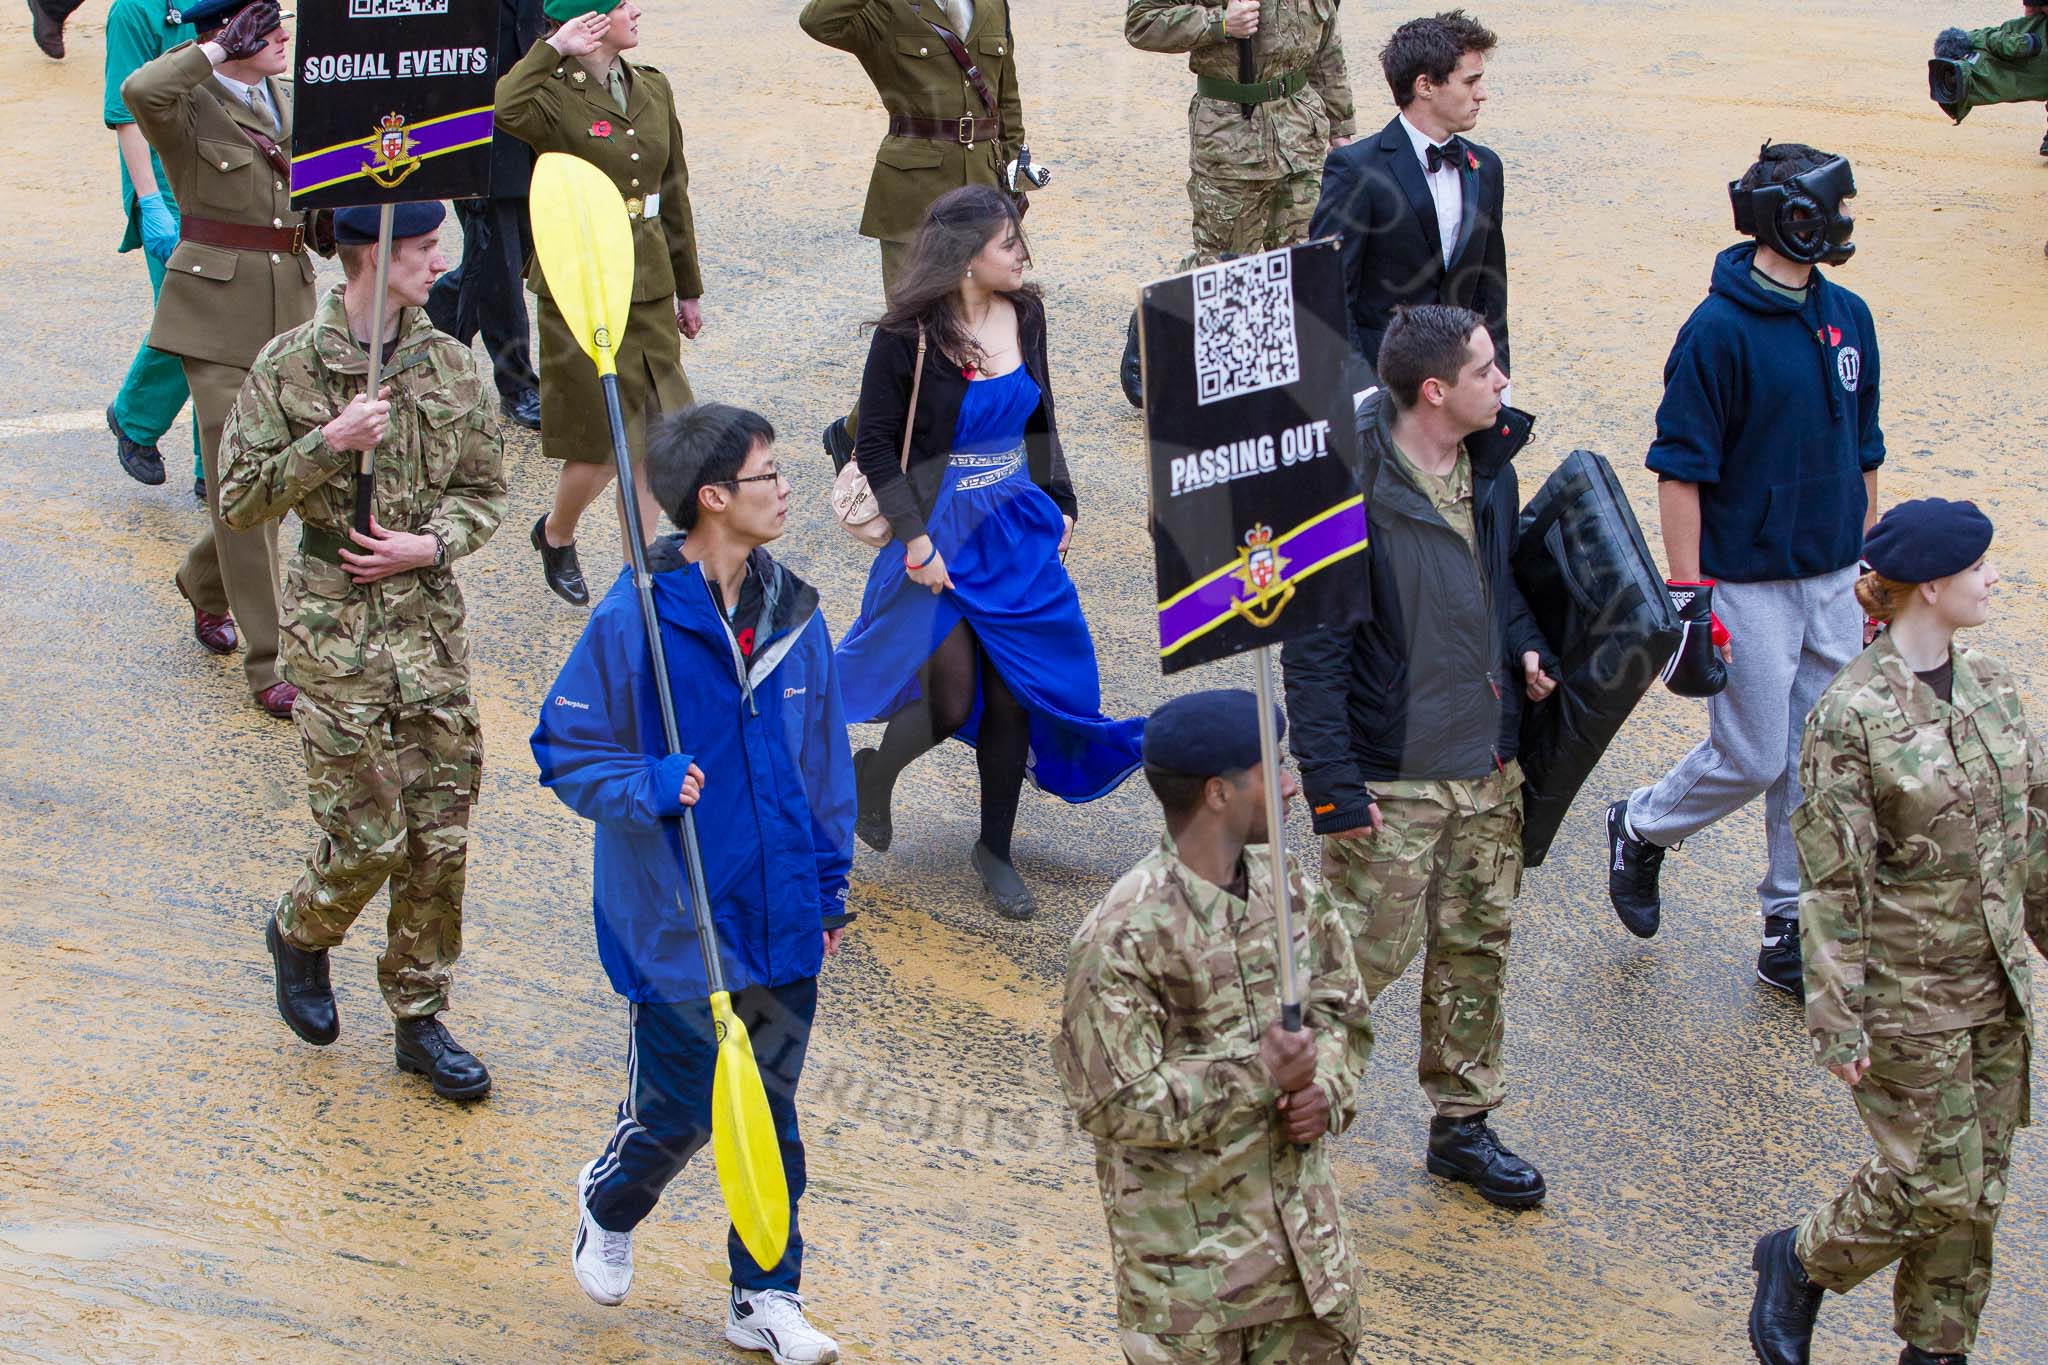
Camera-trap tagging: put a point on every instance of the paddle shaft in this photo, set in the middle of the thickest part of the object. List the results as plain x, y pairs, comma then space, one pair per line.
366, 469
636, 547
1276, 845
1245, 71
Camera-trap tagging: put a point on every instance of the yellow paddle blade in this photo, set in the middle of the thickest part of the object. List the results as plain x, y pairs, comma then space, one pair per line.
585, 244
743, 1143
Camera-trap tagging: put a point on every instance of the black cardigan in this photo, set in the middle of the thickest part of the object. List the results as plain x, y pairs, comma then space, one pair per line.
885, 393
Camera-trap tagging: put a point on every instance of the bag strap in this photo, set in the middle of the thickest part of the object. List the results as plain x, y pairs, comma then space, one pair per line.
910, 414
974, 76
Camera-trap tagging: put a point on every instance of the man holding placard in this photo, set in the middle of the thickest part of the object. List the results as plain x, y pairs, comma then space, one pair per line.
1406, 726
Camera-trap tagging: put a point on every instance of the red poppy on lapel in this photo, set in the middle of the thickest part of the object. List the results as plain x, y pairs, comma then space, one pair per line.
1472, 161
601, 128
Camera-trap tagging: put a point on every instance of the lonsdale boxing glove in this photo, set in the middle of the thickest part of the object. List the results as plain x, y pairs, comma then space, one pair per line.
1695, 669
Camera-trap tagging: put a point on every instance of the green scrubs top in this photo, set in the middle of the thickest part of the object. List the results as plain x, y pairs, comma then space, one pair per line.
137, 33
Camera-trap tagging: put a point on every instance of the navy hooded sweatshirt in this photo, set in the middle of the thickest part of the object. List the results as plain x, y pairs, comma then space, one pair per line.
1771, 408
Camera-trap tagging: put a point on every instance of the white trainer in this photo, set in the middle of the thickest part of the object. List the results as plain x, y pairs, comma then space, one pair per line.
772, 1320
603, 1260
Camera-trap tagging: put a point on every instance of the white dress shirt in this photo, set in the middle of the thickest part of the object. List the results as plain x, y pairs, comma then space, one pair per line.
256, 96
1444, 189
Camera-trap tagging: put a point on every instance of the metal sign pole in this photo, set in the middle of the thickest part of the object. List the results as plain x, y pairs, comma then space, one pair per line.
366, 476
1276, 834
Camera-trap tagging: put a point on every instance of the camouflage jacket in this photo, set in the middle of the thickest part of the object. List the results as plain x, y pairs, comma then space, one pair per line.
1923, 853
1215, 1221
1283, 136
440, 469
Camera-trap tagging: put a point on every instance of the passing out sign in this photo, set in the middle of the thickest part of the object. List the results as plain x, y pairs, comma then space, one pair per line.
393, 101
1258, 525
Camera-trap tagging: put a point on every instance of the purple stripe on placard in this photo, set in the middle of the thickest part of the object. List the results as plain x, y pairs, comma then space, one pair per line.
316, 169
1320, 542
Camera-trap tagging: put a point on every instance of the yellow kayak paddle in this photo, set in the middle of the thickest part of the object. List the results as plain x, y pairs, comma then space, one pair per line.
585, 244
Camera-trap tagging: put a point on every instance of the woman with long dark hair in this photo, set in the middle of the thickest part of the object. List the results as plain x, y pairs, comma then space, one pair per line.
969, 627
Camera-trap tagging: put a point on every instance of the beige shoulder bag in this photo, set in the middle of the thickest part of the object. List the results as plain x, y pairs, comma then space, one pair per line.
853, 502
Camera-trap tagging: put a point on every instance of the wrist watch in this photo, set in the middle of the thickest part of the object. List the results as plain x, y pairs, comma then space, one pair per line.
440, 550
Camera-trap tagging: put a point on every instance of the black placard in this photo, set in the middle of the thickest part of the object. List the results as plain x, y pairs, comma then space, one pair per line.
1258, 526
393, 101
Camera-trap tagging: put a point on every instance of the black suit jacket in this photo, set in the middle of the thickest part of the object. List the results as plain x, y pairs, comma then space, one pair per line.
519, 25
1376, 199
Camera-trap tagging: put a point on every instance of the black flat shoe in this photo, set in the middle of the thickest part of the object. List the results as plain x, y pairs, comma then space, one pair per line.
144, 464
871, 824
561, 568
523, 410
1467, 1149
304, 999
1013, 899
425, 1049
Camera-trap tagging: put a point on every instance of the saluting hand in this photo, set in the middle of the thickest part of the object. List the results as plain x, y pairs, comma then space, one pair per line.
362, 424
1240, 18
580, 35
248, 33
689, 317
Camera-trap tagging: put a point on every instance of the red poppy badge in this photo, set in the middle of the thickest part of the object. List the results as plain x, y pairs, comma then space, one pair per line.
601, 128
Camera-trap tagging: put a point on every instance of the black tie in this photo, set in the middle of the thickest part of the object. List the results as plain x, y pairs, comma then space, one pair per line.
1451, 153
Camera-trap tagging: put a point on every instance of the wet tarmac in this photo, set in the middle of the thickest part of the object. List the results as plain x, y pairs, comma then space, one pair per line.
180, 1180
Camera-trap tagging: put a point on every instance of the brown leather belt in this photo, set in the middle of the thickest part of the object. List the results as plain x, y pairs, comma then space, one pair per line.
963, 130
240, 236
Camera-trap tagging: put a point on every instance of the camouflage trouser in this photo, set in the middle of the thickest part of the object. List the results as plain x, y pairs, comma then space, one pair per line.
1435, 875
1942, 1108
391, 788
1291, 1341
1243, 216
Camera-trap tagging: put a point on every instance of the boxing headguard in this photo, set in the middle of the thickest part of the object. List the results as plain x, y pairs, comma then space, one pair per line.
1804, 219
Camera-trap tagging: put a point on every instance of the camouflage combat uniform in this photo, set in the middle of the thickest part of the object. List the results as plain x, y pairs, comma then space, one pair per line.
1229, 1244
1923, 852
1253, 182
393, 749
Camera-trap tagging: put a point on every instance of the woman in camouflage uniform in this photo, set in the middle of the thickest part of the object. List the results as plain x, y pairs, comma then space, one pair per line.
575, 92
1922, 875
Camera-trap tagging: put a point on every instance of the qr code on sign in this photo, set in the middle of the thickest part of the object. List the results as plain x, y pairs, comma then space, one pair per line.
1244, 326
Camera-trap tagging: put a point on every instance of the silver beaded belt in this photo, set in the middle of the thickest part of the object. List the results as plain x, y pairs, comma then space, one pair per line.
993, 469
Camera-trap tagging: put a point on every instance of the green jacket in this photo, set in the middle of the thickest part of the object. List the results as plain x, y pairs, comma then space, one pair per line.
218, 304
1923, 853
1283, 136
2010, 66
1216, 1222
550, 103
915, 75
440, 469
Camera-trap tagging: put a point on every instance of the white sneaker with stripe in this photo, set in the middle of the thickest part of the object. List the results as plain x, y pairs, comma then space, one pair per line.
772, 1320
603, 1260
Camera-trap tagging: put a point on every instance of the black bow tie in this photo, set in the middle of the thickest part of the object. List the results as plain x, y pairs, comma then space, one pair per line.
1451, 154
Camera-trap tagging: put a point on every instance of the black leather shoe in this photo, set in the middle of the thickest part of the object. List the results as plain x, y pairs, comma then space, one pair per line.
1132, 371
523, 410
838, 443
1013, 899
425, 1049
49, 30
1466, 1149
2044, 144
871, 822
199, 489
1777, 961
1632, 866
304, 999
561, 568
1913, 1355
144, 464
1786, 1303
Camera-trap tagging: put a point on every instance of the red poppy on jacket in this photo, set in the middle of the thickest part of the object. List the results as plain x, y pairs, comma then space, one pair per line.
1472, 161
601, 128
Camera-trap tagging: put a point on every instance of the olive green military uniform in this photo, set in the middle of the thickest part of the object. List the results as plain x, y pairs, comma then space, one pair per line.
552, 104
1229, 1243
219, 306
1253, 182
1923, 854
393, 749
916, 76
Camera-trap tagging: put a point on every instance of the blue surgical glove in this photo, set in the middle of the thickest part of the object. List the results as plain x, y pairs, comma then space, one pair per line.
159, 225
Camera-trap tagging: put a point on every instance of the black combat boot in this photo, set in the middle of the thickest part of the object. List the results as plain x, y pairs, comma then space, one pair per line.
1777, 960
1786, 1303
561, 568
1913, 1355
1132, 371
304, 999
1632, 866
1466, 1149
425, 1049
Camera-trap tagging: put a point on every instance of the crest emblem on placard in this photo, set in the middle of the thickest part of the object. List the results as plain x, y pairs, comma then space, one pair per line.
392, 160
1261, 569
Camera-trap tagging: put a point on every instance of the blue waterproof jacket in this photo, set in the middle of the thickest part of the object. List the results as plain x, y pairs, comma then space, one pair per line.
1770, 406
775, 821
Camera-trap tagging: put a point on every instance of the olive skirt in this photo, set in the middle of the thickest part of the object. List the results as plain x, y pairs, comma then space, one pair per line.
573, 425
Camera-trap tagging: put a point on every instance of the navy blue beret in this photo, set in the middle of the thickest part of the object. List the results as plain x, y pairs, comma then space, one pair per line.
1926, 539
1207, 734
357, 226
206, 14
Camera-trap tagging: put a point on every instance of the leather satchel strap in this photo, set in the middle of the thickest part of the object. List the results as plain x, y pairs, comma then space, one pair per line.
910, 415
272, 153
966, 64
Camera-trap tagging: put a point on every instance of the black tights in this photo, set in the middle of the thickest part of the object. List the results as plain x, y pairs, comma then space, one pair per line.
947, 683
